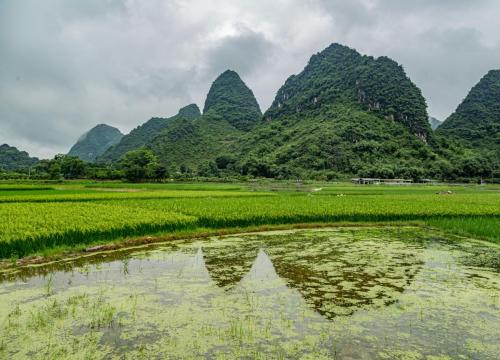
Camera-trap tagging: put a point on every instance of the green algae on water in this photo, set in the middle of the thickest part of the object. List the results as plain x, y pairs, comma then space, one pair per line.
355, 293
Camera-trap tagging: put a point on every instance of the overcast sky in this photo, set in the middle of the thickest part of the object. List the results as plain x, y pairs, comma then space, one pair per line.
66, 66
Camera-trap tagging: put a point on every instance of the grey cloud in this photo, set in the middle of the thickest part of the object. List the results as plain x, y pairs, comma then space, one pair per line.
445, 46
450, 63
244, 53
429, 5
67, 66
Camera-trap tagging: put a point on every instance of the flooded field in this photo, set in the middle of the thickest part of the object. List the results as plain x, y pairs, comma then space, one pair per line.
346, 293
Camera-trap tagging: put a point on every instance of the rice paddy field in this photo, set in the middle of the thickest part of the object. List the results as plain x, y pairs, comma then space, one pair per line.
47, 218
263, 270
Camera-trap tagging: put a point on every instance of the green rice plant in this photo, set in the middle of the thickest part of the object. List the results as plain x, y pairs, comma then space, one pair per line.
285, 209
140, 195
440, 211
20, 187
29, 227
167, 186
36, 222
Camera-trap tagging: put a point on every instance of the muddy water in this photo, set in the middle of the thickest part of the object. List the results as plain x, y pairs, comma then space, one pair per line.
348, 293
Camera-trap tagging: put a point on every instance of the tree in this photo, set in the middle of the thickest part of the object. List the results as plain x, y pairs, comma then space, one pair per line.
161, 172
224, 161
72, 167
208, 169
140, 164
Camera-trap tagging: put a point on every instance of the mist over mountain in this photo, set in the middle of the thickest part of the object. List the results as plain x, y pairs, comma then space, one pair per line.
95, 142
435, 123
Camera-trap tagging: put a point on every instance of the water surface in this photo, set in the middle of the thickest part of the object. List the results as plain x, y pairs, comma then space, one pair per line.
346, 293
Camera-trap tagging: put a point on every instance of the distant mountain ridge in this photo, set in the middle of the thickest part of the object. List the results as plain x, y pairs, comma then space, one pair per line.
145, 133
95, 142
12, 159
435, 123
345, 113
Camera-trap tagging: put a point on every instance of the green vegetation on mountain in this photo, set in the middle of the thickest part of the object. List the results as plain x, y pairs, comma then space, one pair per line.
95, 142
340, 75
189, 145
476, 122
230, 98
145, 133
230, 110
347, 114
435, 123
336, 140
61, 166
344, 115
13, 159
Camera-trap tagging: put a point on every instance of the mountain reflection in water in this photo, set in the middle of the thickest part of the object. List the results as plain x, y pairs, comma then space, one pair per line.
332, 293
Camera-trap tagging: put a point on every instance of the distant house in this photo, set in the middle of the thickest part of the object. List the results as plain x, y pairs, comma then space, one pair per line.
368, 181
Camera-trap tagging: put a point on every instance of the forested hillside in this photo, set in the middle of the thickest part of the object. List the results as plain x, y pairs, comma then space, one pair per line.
230, 98
145, 133
340, 75
13, 159
476, 122
95, 142
230, 110
346, 114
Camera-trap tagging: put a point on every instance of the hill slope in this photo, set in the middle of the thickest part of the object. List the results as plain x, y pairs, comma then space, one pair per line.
344, 113
340, 75
476, 121
230, 110
145, 133
95, 142
13, 159
231, 98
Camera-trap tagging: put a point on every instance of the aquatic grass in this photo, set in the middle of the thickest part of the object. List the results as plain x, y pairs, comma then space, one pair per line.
486, 228
49, 286
102, 314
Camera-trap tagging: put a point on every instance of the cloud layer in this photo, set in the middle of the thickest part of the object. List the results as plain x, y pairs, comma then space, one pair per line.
67, 66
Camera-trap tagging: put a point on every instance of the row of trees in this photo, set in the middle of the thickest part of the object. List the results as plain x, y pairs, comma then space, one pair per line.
136, 165
143, 165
